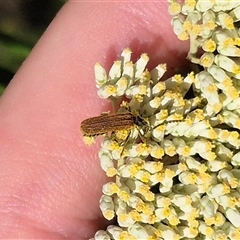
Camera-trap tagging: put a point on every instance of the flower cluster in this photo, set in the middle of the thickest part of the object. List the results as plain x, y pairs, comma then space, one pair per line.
177, 171
179, 177
213, 30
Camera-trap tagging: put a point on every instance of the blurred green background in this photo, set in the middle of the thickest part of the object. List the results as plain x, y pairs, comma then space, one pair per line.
21, 25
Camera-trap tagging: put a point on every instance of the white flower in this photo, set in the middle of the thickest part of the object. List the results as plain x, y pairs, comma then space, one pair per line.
233, 216
208, 207
218, 190
101, 235
141, 64
138, 231
153, 167
128, 71
227, 64
115, 71
206, 230
167, 232
176, 171
114, 231
110, 188
100, 75
228, 177
107, 207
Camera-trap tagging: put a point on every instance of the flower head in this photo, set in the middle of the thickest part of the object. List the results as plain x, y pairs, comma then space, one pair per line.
177, 172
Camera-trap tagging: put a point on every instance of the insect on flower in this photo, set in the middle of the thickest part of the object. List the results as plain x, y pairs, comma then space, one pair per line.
111, 123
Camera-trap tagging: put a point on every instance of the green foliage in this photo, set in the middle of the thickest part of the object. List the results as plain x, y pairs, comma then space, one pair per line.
22, 24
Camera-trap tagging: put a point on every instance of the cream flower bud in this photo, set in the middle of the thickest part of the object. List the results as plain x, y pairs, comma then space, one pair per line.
124, 194
125, 220
219, 219
233, 216
166, 213
107, 91
169, 147
225, 20
224, 6
187, 178
174, 8
181, 147
156, 151
128, 70
203, 6
223, 38
207, 59
233, 105
129, 170
218, 190
178, 29
209, 46
227, 177
231, 51
110, 188
101, 235
182, 201
200, 146
227, 64
188, 232
216, 165
138, 187
218, 74
236, 159
115, 71
167, 232
162, 202
138, 231
207, 86
120, 206
227, 136
122, 85
159, 88
126, 55
153, 167
114, 231
155, 102
140, 149
235, 13
105, 161
143, 176
206, 230
209, 20
208, 207
158, 72
231, 118
193, 164
227, 201
236, 174
234, 233
159, 118
100, 75
141, 64
107, 207
166, 181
